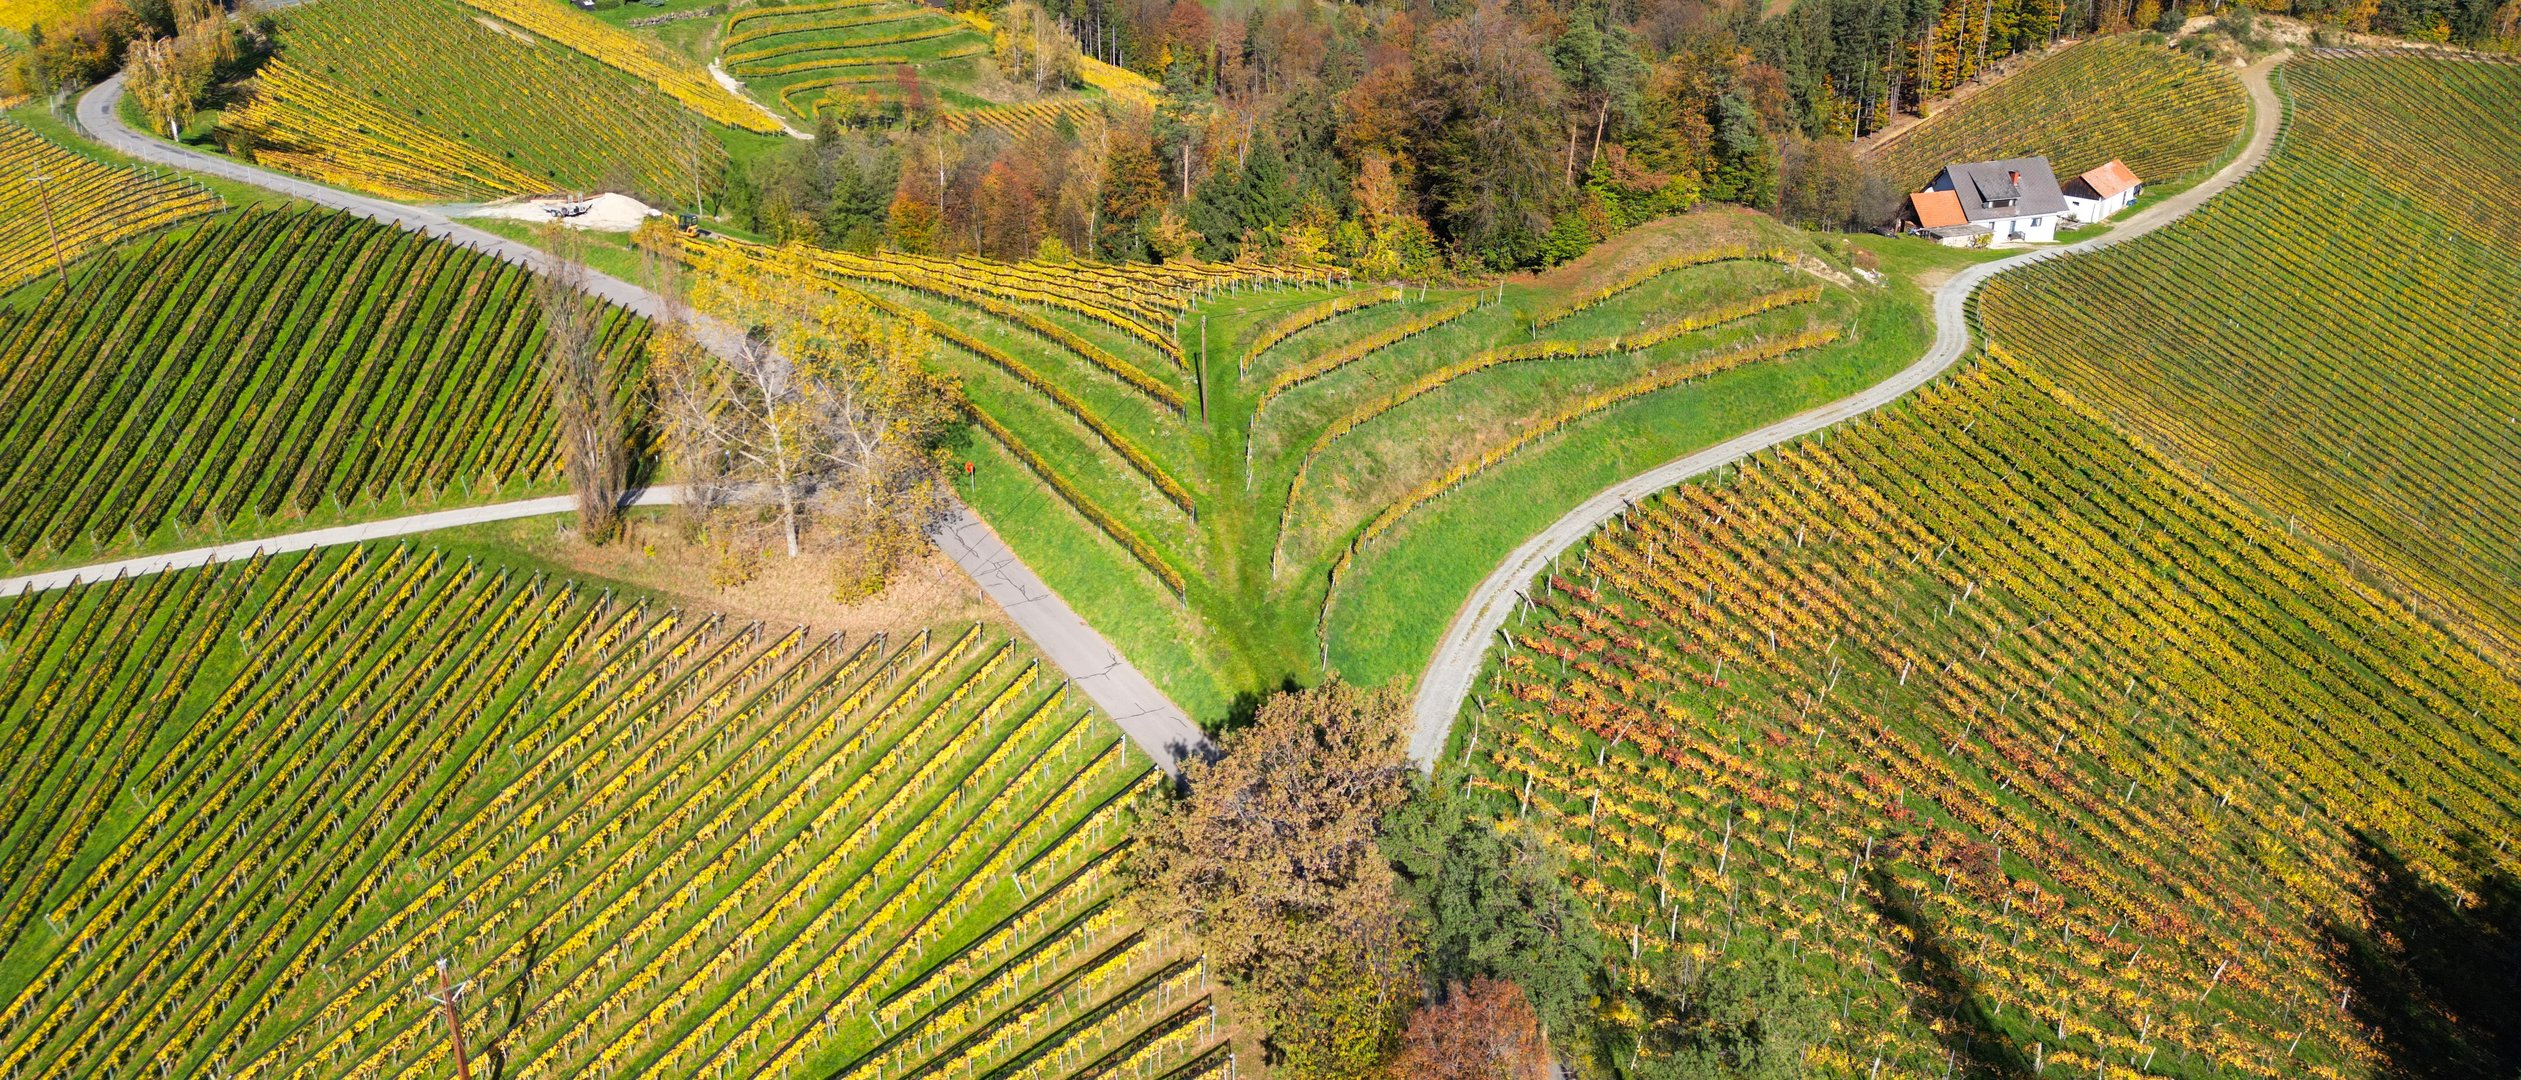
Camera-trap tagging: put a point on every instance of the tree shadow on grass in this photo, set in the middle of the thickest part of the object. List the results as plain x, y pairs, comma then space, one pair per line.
1973, 1045
1246, 705
2437, 983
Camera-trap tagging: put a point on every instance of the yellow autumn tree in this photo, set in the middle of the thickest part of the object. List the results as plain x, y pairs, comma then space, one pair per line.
168, 77
166, 81
806, 410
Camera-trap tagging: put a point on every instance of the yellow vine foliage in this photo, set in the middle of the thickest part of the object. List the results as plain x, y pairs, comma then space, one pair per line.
623, 51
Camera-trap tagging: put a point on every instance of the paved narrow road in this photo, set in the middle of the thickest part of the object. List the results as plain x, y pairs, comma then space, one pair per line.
99, 119
1152, 720
1456, 664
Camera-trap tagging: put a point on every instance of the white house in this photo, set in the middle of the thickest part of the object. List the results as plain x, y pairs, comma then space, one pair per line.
2016, 199
2104, 191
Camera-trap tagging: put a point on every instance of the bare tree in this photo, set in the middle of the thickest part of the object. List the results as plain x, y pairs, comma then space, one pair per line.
593, 450
818, 408
685, 388
769, 436
692, 153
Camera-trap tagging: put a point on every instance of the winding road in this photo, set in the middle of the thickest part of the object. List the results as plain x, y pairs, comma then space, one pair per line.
1459, 654
100, 120
1151, 719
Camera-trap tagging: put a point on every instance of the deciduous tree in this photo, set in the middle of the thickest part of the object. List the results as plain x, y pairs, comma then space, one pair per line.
165, 82
1746, 1015
818, 408
1492, 905
594, 447
1274, 861
1133, 192
1480, 1030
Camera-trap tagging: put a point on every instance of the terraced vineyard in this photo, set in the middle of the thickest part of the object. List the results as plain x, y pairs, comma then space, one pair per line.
2033, 754
264, 364
250, 805
81, 203
809, 55
2162, 113
1239, 455
427, 101
2350, 370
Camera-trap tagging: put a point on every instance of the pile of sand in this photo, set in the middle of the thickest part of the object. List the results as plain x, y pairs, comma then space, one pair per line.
604, 213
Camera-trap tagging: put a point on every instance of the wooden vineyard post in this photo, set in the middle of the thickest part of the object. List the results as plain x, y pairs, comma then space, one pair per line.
445, 999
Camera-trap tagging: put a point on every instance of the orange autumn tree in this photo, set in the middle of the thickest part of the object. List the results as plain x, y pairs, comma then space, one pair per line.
1481, 1030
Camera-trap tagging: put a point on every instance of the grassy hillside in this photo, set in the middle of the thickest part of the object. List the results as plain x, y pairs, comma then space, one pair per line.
2335, 339
2029, 755
81, 205
2163, 113
427, 100
249, 806
263, 365
1195, 469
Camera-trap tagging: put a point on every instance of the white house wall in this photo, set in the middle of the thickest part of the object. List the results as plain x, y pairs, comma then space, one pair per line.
2021, 228
2092, 210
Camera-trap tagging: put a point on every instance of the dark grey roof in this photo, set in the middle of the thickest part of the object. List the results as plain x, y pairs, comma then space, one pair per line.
1983, 182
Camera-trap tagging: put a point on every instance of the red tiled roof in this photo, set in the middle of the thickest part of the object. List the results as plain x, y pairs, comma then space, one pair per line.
2109, 179
1937, 208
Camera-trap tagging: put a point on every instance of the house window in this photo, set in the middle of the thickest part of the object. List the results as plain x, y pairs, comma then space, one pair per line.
2035, 222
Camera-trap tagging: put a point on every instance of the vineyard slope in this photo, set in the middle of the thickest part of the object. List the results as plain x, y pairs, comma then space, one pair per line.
263, 365
2023, 749
57, 206
427, 100
2351, 370
2163, 113
1163, 729
1446, 683
681, 844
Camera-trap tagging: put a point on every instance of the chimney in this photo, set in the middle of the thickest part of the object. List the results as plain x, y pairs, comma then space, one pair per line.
2016, 175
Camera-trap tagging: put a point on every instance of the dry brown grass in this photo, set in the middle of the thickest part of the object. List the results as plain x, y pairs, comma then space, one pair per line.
1712, 226
926, 591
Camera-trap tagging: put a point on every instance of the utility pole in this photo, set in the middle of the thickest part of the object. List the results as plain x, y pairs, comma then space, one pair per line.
445, 999
50, 229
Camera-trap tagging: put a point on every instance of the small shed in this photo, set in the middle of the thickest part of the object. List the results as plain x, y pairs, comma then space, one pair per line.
2102, 191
